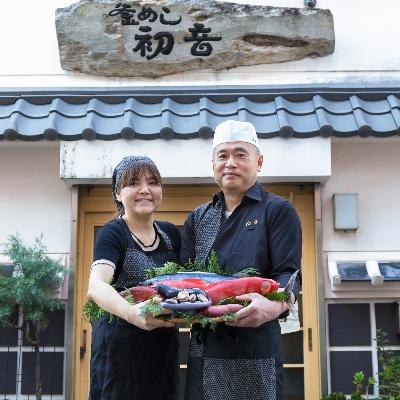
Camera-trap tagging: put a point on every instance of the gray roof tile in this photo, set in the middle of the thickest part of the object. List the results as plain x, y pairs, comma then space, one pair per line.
333, 107
165, 117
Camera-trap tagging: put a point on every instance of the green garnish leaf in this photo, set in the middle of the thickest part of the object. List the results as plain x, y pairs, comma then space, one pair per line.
277, 296
247, 272
168, 268
92, 312
234, 300
151, 307
213, 265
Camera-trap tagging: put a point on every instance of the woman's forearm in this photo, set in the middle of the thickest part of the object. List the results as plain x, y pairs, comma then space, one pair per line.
108, 298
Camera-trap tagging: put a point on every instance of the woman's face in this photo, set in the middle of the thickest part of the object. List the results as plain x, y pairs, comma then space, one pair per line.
142, 196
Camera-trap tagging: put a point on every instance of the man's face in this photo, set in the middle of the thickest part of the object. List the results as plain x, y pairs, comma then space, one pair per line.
235, 166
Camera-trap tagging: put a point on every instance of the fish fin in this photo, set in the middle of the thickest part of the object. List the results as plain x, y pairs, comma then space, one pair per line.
289, 290
291, 308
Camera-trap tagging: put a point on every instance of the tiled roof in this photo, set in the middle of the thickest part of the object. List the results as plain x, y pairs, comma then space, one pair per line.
166, 117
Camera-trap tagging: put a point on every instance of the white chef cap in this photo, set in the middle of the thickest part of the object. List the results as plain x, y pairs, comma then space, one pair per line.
235, 131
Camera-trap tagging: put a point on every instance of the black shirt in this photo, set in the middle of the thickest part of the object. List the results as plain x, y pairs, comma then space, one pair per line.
263, 232
115, 246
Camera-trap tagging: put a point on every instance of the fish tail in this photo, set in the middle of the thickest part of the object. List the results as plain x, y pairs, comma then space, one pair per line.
289, 290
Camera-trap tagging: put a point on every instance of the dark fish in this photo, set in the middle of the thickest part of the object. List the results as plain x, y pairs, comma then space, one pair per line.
207, 277
169, 292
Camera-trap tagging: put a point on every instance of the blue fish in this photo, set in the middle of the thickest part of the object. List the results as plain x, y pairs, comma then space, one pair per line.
208, 277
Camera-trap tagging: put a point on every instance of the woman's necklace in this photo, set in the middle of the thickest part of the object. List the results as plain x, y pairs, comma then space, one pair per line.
142, 244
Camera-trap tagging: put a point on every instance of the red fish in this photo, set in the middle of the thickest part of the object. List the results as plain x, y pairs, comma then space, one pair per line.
139, 293
221, 290
219, 310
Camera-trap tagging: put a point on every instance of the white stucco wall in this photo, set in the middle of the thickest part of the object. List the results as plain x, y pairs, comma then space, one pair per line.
362, 27
371, 169
33, 198
189, 161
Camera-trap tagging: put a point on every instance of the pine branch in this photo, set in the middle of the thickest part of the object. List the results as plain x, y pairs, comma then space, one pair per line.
250, 271
151, 307
212, 266
91, 311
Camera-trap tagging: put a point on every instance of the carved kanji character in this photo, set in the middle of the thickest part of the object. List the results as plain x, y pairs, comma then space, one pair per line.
147, 13
165, 22
200, 37
165, 43
126, 12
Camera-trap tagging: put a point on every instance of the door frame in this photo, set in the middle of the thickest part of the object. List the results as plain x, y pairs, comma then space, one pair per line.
177, 198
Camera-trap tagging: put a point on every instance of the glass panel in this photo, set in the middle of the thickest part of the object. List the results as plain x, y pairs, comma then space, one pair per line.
8, 372
385, 314
9, 336
390, 270
300, 309
96, 231
343, 366
53, 335
293, 386
182, 380
349, 325
6, 270
51, 365
183, 347
292, 348
353, 271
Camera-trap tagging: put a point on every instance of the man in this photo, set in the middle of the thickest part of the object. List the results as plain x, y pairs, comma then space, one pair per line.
246, 227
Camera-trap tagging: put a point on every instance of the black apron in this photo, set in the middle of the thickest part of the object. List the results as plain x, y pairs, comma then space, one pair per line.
233, 363
129, 363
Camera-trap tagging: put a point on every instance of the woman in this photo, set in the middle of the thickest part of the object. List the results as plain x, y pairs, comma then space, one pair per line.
133, 357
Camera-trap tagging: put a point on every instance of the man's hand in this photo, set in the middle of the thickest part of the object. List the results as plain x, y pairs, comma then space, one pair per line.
259, 311
147, 322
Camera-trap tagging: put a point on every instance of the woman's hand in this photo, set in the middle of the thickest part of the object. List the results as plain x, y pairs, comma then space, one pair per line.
108, 299
147, 322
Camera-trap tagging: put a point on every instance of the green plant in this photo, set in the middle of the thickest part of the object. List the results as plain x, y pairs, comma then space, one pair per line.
211, 265
359, 393
389, 376
30, 288
334, 396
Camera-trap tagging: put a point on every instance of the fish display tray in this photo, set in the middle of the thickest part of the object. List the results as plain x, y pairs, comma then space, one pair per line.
178, 320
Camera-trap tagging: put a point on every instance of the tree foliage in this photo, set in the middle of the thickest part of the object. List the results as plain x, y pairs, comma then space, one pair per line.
30, 288
389, 375
35, 278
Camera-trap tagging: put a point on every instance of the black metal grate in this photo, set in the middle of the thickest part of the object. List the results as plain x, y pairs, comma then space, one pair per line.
17, 362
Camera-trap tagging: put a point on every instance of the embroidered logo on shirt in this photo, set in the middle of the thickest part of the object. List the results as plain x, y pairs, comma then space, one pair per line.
250, 225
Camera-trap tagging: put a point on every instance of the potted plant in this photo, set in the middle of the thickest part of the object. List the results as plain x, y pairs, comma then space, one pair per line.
360, 392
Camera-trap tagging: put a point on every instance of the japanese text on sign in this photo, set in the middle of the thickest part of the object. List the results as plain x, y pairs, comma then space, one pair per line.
163, 41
